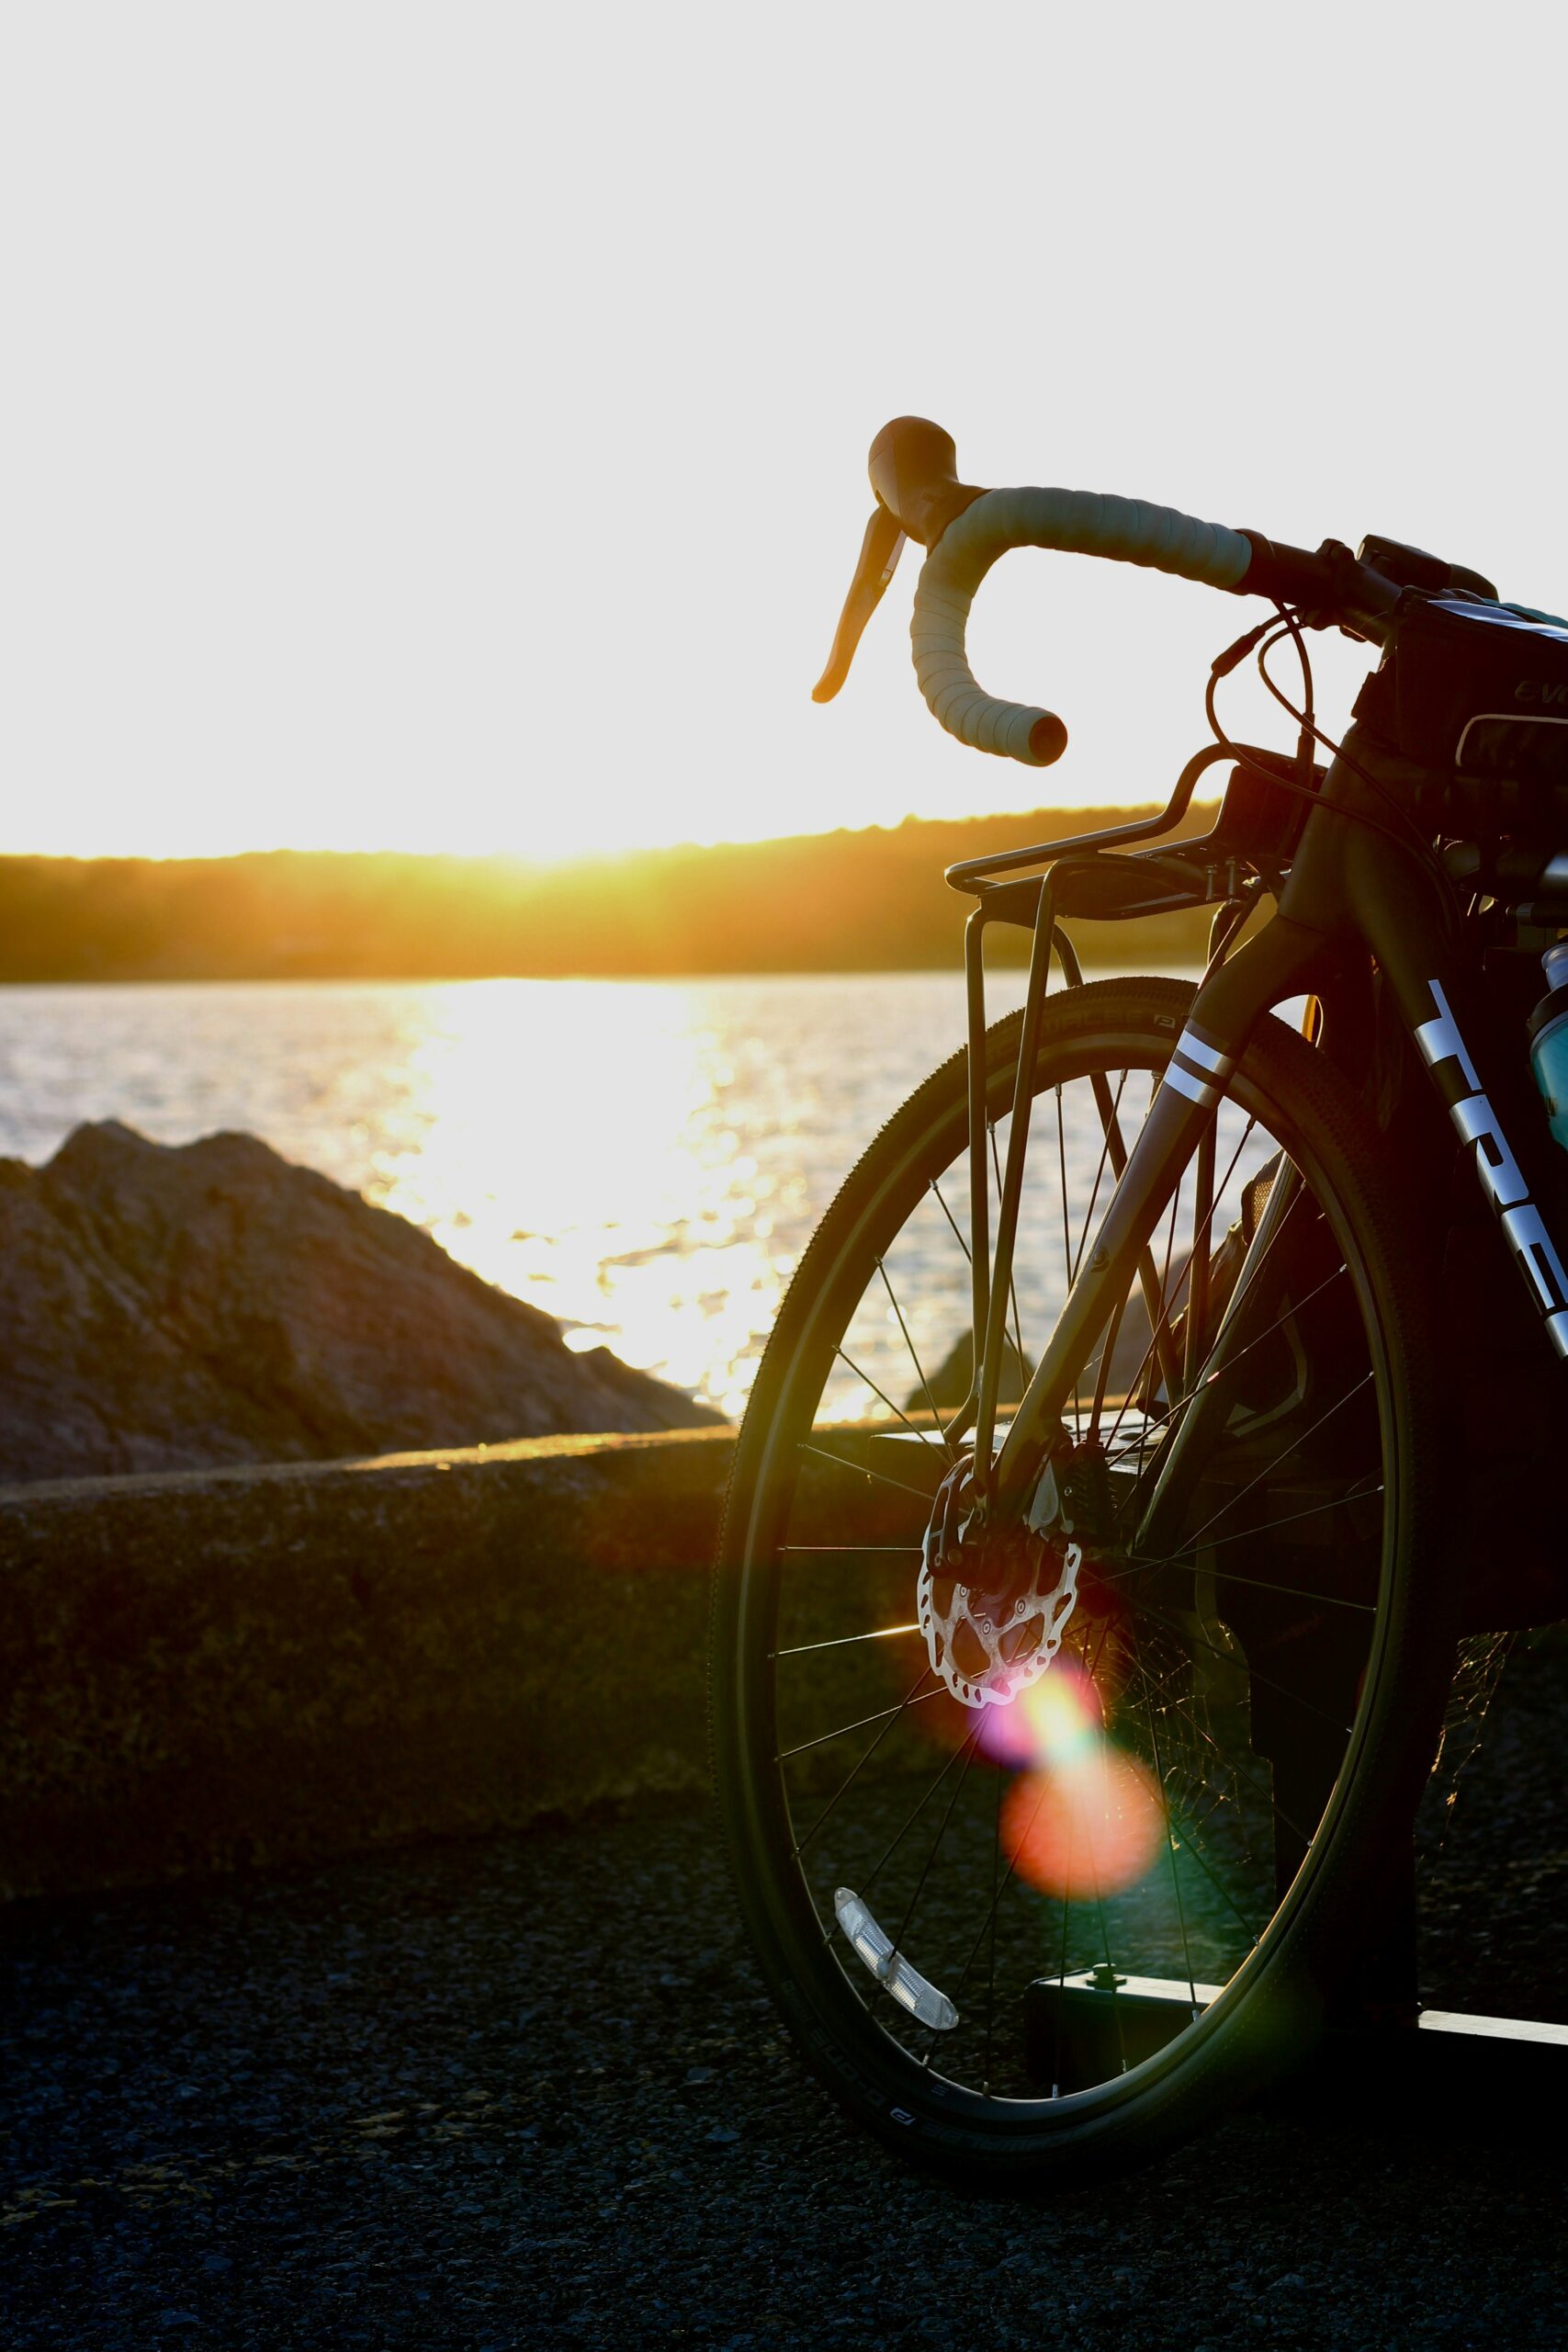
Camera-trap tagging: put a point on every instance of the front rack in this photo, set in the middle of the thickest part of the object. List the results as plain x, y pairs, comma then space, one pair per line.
1248, 829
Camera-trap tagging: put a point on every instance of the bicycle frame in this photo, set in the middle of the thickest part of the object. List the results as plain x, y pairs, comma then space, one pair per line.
1347, 881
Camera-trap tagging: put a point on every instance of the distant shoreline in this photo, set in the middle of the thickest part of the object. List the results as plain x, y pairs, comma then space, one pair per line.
1103, 947
844, 902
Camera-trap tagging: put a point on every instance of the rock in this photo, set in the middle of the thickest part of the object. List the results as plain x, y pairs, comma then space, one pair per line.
1129, 1364
950, 1381
182, 1307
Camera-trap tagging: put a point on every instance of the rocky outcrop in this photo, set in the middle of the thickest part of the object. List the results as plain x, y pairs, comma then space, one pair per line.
182, 1307
950, 1382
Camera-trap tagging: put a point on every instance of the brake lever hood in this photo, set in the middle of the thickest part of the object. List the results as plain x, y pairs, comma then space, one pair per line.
878, 561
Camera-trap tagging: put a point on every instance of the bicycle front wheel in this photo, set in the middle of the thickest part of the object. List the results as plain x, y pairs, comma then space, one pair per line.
1042, 1878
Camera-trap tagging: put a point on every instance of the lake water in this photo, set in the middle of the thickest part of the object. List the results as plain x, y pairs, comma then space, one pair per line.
644, 1160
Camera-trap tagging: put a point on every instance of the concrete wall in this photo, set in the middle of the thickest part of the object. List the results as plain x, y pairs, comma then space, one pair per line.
212, 1668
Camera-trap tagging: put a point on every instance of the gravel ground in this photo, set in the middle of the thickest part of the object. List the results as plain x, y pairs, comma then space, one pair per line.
528, 2092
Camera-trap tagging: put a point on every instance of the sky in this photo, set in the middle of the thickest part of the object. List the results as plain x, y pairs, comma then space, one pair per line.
445, 428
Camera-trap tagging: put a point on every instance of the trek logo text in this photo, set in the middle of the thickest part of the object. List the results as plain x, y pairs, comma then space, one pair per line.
1499, 1171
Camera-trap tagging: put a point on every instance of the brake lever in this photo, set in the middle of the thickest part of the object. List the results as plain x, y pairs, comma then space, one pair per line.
874, 567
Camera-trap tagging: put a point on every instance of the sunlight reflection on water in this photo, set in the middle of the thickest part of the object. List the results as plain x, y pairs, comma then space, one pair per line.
644, 1160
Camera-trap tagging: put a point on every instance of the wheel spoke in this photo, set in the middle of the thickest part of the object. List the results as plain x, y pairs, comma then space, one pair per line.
1292, 1447
1238, 1772
991, 1970
892, 1408
859, 1470
947, 1213
848, 1550
1190, 1843
1205, 1378
1110, 1128
1169, 1834
1163, 1324
1174, 1624
901, 1940
898, 1837
913, 1698
1159, 1325
913, 1359
845, 1640
887, 1714
1259, 1584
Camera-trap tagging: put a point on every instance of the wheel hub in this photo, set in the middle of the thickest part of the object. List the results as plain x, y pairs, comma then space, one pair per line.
992, 1603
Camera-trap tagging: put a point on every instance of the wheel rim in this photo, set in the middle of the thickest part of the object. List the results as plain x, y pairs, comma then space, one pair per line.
1035, 1912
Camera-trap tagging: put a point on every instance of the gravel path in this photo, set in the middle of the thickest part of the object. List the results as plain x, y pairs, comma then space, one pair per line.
528, 2092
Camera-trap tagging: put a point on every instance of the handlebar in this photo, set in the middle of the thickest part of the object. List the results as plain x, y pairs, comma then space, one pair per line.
1078, 522
914, 473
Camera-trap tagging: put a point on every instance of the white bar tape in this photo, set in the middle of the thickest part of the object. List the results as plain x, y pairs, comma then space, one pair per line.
1078, 522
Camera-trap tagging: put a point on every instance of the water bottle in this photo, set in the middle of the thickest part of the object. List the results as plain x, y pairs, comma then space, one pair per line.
1549, 1040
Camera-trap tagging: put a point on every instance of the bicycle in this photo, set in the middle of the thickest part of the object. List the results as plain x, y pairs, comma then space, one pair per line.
1089, 1586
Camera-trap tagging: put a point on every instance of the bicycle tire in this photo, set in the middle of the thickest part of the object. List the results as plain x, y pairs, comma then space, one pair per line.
1260, 2016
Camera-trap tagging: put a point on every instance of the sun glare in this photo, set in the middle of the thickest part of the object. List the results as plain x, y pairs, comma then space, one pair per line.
647, 1224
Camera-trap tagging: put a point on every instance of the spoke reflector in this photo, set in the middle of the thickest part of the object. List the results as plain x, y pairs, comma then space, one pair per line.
874, 1946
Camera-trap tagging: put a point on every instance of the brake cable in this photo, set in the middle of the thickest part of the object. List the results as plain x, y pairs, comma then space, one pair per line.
1222, 668
1411, 842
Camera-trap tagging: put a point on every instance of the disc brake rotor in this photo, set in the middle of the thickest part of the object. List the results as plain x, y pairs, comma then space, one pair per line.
992, 1604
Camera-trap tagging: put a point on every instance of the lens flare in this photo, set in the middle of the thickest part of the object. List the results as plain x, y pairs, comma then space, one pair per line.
1088, 1827
1054, 1722
1082, 1819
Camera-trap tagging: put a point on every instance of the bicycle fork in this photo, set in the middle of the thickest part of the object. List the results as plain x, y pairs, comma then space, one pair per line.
1181, 1118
